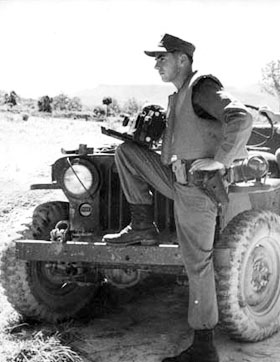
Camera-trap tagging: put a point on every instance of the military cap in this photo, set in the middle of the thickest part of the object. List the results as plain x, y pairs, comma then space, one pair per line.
170, 43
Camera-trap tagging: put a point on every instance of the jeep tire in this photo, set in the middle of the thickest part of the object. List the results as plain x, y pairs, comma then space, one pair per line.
248, 275
28, 285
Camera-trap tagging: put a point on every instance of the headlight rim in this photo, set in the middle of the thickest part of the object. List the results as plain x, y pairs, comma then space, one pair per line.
264, 162
96, 183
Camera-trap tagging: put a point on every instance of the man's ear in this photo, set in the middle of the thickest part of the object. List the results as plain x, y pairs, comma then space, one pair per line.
184, 59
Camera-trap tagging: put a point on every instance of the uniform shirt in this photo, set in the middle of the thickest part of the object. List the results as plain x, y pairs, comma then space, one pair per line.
204, 121
211, 101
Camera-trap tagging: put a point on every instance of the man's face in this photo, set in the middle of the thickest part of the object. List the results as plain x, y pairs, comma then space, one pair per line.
168, 66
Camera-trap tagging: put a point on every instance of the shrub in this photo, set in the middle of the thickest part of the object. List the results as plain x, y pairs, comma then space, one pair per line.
44, 104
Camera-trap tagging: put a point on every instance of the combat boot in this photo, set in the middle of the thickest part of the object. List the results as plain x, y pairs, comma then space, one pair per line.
202, 349
141, 230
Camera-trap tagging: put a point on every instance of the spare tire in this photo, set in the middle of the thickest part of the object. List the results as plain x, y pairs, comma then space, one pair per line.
248, 281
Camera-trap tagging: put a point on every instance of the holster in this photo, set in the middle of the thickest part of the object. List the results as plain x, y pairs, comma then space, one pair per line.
210, 182
215, 188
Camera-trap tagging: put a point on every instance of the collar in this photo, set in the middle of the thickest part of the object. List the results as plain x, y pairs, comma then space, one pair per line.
187, 81
184, 85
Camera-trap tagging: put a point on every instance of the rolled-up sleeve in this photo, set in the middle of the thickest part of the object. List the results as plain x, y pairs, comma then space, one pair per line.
210, 98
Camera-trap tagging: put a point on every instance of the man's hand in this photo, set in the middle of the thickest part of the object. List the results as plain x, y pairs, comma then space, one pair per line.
206, 164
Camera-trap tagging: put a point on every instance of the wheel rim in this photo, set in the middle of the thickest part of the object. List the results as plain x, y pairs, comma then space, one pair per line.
260, 277
52, 281
50, 290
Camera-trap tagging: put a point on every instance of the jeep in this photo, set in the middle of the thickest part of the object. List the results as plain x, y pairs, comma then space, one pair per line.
54, 269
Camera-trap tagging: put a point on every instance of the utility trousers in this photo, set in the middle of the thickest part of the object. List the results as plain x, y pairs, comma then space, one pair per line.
195, 218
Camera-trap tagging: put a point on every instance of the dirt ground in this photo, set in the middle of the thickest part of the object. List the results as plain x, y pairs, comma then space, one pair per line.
146, 323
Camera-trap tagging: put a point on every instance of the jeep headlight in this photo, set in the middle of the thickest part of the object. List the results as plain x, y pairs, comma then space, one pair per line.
77, 179
254, 167
80, 178
258, 166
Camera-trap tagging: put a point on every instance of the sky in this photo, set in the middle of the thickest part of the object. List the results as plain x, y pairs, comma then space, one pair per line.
54, 46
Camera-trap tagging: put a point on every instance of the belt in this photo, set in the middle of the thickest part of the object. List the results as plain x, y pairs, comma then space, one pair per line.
199, 178
210, 182
183, 176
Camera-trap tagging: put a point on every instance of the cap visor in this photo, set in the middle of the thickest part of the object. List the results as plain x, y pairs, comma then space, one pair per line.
154, 53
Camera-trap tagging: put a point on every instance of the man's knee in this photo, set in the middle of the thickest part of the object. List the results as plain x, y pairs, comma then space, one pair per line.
126, 149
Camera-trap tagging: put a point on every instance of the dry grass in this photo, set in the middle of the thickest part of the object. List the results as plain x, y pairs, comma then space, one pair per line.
28, 148
22, 341
39, 347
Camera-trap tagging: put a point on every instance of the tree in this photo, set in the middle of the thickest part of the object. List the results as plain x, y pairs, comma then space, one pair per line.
99, 111
61, 102
271, 79
107, 101
44, 104
132, 106
111, 105
115, 107
75, 104
2, 97
11, 98
64, 103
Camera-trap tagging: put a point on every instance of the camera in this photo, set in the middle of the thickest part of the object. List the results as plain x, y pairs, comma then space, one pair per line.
145, 129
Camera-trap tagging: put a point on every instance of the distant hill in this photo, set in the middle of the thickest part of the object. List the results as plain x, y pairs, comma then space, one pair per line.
158, 94
151, 93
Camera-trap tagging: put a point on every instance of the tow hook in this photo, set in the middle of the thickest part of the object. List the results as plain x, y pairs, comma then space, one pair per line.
61, 232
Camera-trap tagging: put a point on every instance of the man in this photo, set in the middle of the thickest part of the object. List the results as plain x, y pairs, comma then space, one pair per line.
206, 130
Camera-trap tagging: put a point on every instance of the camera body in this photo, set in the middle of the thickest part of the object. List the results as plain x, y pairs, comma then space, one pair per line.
145, 129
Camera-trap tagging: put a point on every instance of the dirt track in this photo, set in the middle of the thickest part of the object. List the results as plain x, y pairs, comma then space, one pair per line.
144, 324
